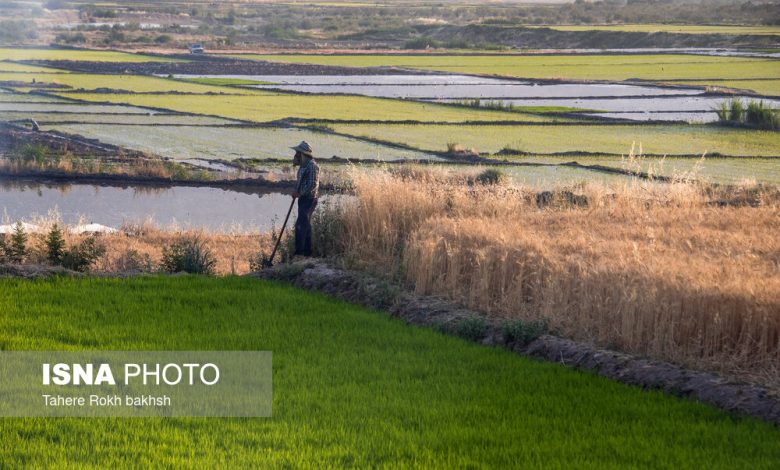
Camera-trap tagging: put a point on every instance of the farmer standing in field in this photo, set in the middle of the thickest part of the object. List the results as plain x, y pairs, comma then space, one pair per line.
307, 189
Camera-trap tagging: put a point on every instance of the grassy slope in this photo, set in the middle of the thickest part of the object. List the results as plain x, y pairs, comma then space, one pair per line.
351, 387
673, 28
660, 67
69, 54
270, 106
671, 139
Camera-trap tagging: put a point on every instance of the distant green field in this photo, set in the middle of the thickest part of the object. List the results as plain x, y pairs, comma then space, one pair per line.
715, 170
658, 67
672, 28
351, 388
132, 83
260, 106
671, 139
14, 67
75, 54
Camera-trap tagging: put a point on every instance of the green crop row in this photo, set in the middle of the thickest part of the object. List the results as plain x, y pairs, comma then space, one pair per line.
78, 54
669, 139
260, 106
658, 67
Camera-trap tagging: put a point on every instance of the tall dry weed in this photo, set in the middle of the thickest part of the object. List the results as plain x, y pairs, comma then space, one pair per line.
656, 270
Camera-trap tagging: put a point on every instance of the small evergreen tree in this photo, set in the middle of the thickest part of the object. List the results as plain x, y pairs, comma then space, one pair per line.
55, 245
17, 251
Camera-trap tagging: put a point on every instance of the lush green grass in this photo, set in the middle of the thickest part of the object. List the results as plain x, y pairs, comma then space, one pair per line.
671, 139
263, 106
86, 55
351, 388
660, 67
673, 28
14, 67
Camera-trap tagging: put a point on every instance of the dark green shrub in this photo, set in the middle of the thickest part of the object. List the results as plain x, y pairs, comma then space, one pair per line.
523, 331
189, 255
491, 176
736, 111
82, 256
327, 230
55, 245
761, 115
473, 327
757, 114
134, 262
30, 153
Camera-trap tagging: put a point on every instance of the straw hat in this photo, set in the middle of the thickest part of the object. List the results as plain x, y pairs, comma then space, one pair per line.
304, 148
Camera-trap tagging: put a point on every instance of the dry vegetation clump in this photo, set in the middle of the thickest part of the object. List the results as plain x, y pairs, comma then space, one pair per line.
144, 243
664, 271
138, 247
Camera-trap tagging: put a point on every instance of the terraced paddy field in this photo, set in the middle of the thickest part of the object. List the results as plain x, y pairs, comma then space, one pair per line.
654, 67
221, 143
714, 170
127, 83
616, 139
107, 118
262, 106
352, 387
145, 112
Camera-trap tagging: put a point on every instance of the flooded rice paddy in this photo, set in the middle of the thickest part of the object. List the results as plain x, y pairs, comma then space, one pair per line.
226, 143
181, 207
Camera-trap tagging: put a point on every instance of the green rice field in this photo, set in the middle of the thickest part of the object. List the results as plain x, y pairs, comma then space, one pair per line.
618, 139
78, 54
715, 170
351, 388
271, 106
219, 143
110, 118
130, 83
654, 67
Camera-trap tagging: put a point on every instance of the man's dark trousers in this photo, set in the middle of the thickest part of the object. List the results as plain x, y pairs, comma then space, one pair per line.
306, 207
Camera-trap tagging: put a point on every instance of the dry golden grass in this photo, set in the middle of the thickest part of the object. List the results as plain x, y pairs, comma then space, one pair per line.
138, 247
655, 270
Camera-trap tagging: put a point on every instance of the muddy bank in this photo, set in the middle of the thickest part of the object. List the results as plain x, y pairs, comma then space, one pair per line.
212, 65
243, 185
13, 136
360, 288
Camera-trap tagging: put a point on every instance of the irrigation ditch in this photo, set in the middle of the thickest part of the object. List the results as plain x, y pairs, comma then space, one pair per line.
363, 289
